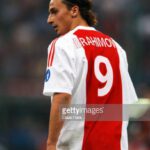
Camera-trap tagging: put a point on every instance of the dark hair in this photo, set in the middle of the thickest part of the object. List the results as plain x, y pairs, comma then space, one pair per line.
85, 7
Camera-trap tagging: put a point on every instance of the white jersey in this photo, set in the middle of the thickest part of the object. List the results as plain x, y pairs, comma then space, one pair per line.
91, 67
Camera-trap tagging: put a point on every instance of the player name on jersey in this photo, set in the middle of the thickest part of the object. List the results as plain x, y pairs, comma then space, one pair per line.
96, 41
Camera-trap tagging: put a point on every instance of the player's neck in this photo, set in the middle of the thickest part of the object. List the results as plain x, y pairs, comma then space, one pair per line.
79, 22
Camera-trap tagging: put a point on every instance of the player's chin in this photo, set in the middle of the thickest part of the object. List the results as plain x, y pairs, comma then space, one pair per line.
59, 32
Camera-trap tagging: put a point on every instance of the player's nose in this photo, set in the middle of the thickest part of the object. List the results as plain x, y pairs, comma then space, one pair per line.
49, 19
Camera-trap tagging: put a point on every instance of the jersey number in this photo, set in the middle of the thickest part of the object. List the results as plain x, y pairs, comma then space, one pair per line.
108, 77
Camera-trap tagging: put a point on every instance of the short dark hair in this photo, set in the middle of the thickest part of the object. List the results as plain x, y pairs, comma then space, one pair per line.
85, 7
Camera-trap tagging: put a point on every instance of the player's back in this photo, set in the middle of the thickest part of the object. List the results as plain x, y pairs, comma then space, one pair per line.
103, 86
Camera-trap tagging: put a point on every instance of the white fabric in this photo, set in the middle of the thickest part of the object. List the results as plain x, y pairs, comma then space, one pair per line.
129, 95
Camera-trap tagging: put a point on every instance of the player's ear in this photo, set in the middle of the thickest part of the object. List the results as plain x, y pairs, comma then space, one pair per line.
74, 11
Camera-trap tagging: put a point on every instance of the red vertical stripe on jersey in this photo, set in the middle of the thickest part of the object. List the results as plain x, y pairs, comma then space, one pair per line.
51, 61
51, 53
101, 135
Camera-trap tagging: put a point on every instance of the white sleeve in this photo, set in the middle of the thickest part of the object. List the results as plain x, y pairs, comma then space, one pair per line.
60, 76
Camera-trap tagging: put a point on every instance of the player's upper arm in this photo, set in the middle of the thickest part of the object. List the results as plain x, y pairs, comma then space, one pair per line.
60, 74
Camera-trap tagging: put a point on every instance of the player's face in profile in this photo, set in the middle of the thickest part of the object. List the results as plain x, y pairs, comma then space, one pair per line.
59, 17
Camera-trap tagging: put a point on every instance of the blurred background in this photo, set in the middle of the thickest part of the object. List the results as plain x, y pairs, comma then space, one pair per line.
24, 38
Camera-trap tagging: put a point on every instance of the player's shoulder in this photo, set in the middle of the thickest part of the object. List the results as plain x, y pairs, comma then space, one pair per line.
57, 42
119, 47
65, 40
63, 45
67, 37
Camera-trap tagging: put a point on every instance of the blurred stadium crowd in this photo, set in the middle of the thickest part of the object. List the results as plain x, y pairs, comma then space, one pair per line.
24, 38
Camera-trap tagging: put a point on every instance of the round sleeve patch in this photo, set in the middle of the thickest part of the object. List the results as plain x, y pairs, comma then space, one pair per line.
47, 75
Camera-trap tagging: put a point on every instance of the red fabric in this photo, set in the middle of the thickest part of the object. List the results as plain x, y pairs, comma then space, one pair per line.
51, 54
100, 135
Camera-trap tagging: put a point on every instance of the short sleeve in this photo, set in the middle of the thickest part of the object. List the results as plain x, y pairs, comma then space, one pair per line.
60, 72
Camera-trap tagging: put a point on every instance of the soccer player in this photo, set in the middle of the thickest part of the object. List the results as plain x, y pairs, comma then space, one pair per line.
84, 66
